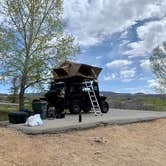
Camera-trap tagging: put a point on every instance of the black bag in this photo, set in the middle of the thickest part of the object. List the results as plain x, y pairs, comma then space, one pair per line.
17, 117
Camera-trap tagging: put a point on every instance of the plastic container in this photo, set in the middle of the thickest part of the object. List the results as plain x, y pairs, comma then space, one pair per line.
40, 107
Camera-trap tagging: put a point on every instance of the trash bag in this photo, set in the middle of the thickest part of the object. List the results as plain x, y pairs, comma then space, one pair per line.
34, 120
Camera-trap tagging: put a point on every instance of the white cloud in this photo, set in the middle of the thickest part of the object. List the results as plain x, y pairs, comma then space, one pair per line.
98, 57
151, 35
112, 76
123, 75
145, 65
124, 35
120, 70
124, 42
155, 84
136, 49
90, 20
127, 75
119, 64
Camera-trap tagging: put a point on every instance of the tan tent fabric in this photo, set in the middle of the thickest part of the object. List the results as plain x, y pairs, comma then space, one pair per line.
72, 69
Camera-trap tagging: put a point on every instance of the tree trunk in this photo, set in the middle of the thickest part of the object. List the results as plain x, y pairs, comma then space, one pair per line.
21, 100
21, 94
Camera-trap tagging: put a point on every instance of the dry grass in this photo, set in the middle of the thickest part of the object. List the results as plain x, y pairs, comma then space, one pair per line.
141, 144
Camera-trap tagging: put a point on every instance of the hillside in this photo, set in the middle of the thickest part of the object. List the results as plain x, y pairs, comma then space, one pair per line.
140, 101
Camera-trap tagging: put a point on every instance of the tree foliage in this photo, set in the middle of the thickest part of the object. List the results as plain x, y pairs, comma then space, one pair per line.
158, 63
32, 41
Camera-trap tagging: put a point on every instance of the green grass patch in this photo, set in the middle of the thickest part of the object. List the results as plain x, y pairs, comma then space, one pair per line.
8, 107
3, 116
159, 104
142, 102
5, 109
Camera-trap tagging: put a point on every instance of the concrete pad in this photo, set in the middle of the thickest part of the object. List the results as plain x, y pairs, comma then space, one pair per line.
114, 116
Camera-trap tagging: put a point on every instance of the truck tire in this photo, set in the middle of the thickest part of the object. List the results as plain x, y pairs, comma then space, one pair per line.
75, 108
104, 107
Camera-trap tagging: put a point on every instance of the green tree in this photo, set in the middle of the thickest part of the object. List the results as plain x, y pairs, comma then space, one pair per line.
32, 41
158, 64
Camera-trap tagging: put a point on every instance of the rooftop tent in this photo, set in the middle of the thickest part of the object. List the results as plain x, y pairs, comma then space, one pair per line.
72, 69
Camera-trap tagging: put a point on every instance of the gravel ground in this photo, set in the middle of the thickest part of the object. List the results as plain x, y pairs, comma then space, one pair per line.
139, 144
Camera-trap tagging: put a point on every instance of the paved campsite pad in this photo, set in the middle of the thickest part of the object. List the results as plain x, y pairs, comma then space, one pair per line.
115, 116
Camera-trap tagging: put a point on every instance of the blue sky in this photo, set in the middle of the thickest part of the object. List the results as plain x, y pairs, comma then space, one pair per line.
118, 36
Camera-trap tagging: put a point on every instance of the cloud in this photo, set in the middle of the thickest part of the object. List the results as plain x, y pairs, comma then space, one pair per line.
118, 64
123, 43
138, 89
124, 35
98, 57
91, 21
128, 73
137, 49
145, 65
123, 75
112, 76
120, 70
150, 35
155, 84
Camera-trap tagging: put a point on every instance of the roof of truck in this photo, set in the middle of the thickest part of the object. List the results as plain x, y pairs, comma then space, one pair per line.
70, 69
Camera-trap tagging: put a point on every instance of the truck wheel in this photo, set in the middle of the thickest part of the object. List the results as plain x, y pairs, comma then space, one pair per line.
86, 110
104, 107
75, 108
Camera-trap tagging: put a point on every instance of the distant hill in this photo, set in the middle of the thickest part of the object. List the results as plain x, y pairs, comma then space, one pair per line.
110, 93
140, 101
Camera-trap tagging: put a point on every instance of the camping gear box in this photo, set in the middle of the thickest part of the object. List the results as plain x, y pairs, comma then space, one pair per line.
17, 117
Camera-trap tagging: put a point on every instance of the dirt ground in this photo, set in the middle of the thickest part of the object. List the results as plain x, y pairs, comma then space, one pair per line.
140, 144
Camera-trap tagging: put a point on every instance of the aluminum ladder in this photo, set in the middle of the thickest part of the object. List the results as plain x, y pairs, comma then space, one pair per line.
92, 97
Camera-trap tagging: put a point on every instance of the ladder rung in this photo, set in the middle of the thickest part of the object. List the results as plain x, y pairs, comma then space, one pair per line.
98, 112
95, 106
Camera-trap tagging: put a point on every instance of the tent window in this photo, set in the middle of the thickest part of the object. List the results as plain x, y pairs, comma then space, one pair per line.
61, 72
84, 70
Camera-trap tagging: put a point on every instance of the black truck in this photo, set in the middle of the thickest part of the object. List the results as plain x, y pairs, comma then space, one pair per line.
69, 90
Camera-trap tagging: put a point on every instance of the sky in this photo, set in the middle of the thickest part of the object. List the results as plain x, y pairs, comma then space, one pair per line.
118, 36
